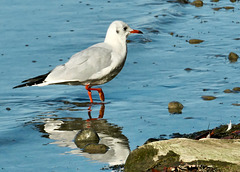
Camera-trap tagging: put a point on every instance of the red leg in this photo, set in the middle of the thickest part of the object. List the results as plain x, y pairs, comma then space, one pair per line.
89, 93
100, 92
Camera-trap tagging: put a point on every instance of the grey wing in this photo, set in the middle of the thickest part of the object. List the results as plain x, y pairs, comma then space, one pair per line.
82, 66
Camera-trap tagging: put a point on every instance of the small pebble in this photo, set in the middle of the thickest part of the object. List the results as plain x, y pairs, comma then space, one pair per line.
236, 89
175, 107
227, 91
195, 41
188, 69
217, 8
208, 97
228, 8
197, 3
233, 57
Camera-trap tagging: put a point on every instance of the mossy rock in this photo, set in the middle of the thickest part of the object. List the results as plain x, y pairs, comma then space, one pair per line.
140, 159
219, 154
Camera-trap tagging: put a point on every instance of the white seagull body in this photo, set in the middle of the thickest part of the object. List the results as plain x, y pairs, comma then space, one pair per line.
95, 65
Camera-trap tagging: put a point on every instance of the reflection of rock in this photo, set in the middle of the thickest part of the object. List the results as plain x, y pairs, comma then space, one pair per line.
161, 154
85, 137
64, 130
96, 148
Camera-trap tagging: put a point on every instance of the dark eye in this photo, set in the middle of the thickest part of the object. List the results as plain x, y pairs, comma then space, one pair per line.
125, 28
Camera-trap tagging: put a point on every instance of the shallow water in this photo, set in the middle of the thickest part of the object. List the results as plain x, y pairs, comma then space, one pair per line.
38, 124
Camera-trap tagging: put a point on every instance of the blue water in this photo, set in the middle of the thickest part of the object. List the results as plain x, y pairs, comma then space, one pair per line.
38, 124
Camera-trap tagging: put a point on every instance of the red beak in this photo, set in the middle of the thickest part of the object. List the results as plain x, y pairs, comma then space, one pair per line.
136, 31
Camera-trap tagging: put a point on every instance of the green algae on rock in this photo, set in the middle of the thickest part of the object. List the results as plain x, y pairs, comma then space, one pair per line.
140, 159
162, 154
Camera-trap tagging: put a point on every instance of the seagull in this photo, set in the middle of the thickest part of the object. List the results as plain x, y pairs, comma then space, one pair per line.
96, 65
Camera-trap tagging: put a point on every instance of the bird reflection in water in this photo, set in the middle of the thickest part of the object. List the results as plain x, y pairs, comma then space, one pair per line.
101, 112
63, 131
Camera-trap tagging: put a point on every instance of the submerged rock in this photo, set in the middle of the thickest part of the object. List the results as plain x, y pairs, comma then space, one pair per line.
85, 137
219, 153
175, 107
233, 57
195, 41
94, 148
228, 8
140, 159
236, 89
228, 91
208, 97
197, 3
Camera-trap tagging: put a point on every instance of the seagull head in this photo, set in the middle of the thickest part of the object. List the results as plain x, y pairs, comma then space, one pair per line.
119, 30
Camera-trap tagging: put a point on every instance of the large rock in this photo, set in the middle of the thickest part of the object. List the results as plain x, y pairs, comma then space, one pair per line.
219, 153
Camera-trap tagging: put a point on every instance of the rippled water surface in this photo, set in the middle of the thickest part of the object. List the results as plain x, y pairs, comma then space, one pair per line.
38, 124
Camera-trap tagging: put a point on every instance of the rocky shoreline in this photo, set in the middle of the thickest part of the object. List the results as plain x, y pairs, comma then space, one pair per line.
208, 150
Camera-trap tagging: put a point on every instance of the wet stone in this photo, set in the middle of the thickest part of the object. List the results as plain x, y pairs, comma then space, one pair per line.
85, 137
233, 57
188, 69
227, 91
175, 107
94, 148
217, 8
208, 97
236, 89
197, 3
195, 41
228, 8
